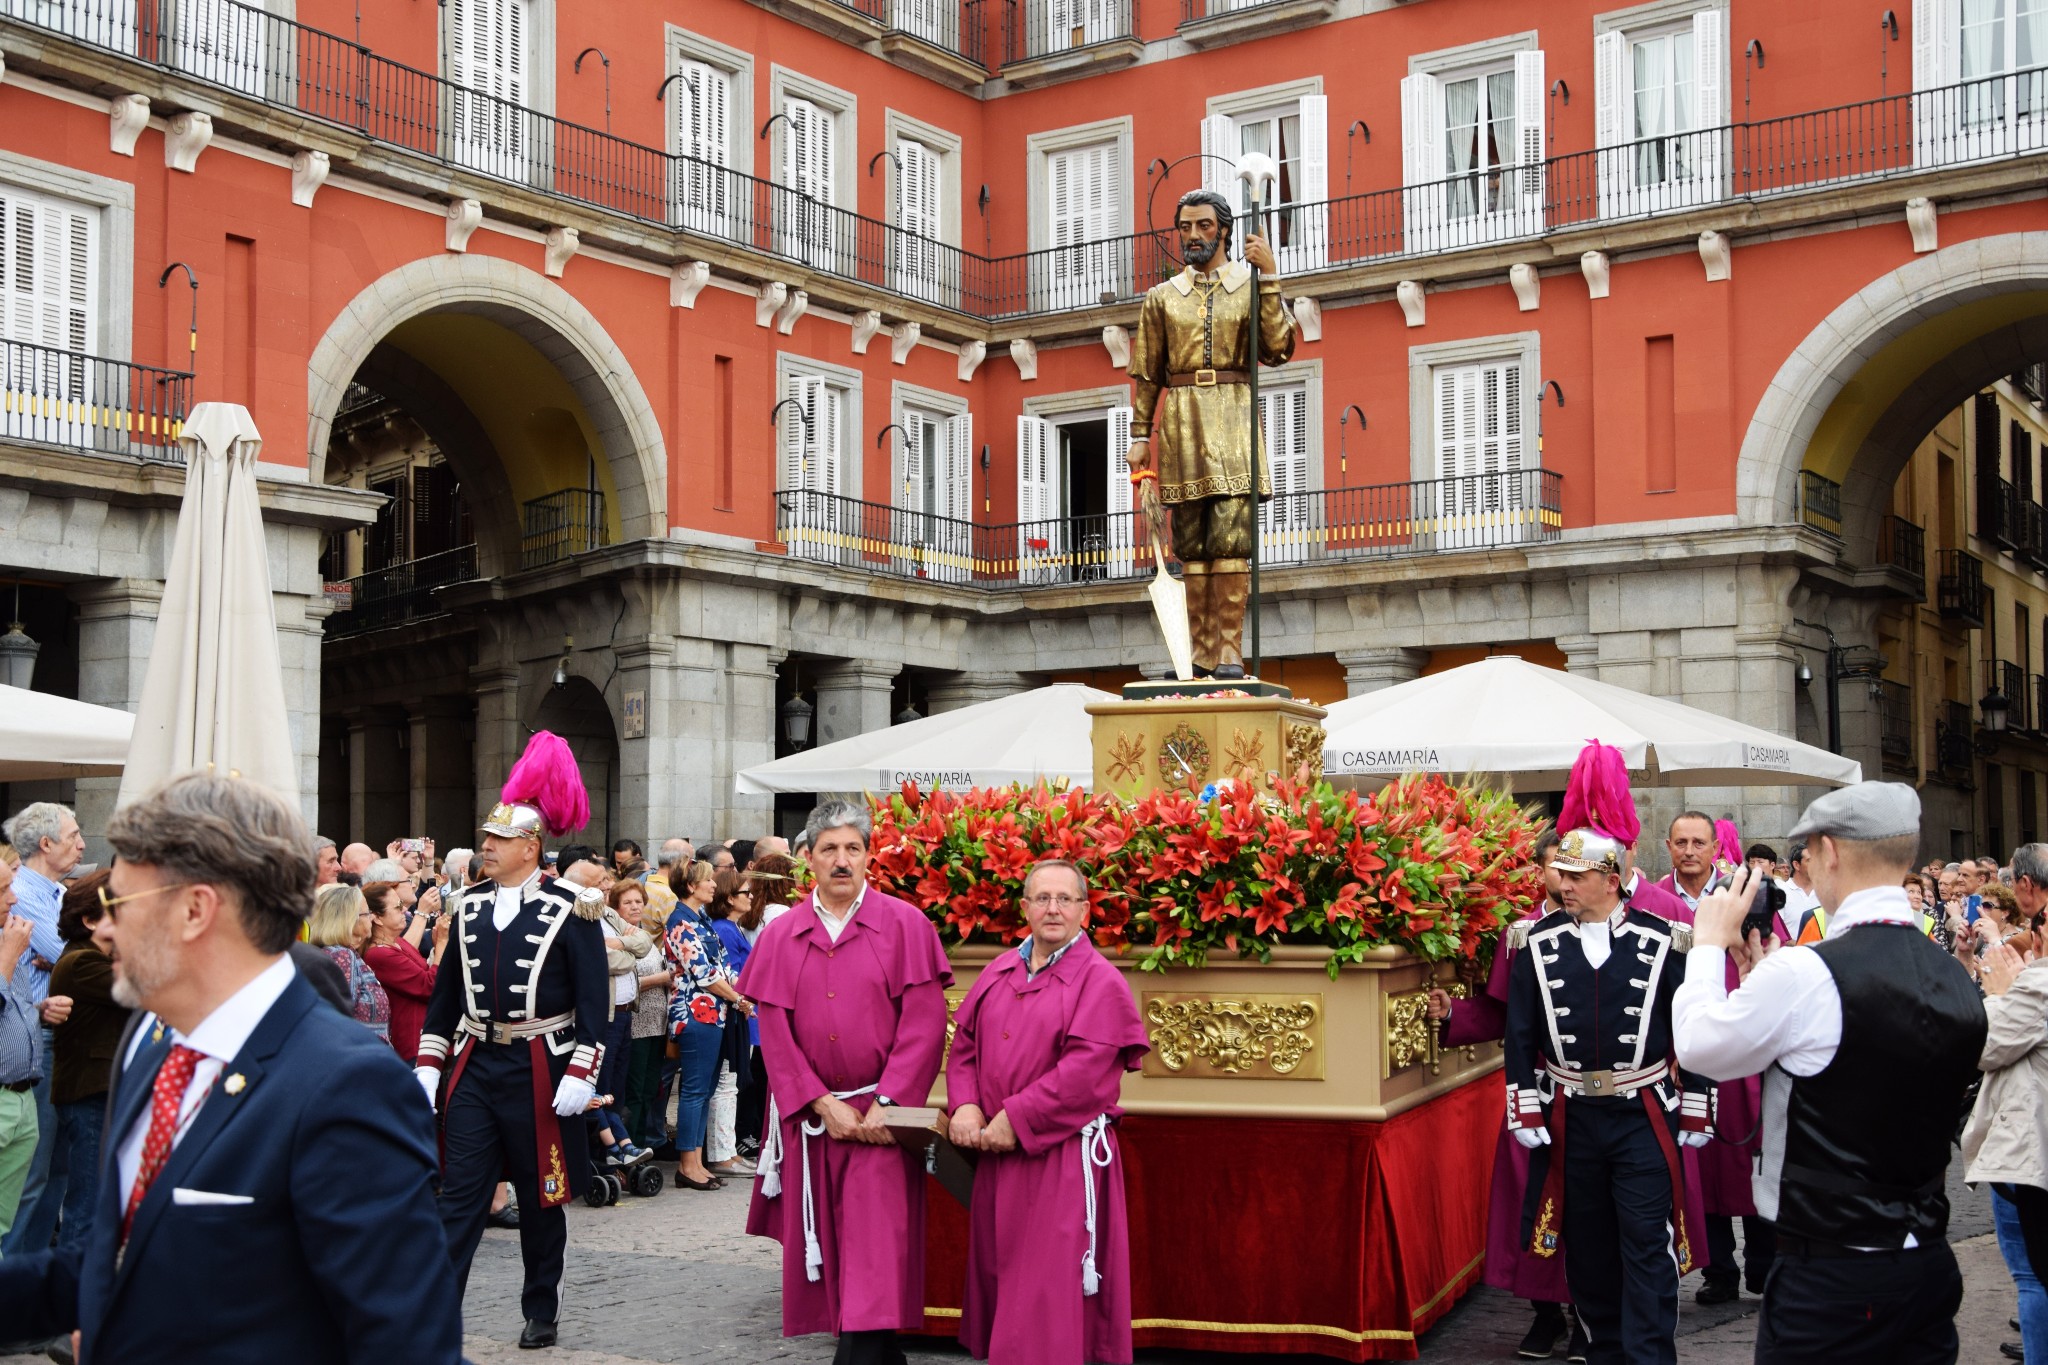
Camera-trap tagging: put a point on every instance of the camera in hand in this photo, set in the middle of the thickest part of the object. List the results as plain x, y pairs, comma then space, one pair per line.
1763, 911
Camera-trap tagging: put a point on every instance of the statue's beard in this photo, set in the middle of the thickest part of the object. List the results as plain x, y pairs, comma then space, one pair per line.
1202, 252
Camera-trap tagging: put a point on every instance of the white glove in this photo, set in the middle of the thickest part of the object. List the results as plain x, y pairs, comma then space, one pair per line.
1694, 1139
573, 1096
430, 1081
1532, 1138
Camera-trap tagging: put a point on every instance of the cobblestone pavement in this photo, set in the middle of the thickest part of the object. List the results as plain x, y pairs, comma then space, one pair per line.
674, 1280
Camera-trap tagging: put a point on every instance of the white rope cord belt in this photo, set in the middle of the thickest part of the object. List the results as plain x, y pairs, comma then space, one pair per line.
1096, 1154
770, 1172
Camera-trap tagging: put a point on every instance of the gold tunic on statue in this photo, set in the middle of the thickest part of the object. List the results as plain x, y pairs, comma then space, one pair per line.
1201, 442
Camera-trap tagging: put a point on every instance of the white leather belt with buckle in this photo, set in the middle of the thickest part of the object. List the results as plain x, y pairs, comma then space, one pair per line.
495, 1032
1600, 1084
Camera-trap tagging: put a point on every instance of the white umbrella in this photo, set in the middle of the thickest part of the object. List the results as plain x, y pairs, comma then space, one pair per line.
1043, 733
42, 737
214, 693
1506, 715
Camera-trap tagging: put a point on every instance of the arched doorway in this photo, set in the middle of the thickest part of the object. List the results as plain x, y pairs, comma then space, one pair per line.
576, 711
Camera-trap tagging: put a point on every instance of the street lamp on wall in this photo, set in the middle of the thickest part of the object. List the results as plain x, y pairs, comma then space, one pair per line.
576, 69
18, 651
1343, 423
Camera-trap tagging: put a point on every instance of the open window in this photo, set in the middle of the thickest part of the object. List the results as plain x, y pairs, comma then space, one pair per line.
1074, 503
1296, 135
1660, 110
1980, 89
1472, 153
934, 531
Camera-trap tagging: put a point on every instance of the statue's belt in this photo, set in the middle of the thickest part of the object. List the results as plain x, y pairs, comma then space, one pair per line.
1206, 379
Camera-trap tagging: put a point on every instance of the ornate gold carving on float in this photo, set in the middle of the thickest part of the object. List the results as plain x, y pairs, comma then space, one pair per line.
1127, 756
1184, 757
1253, 1037
1407, 1036
1304, 749
1245, 756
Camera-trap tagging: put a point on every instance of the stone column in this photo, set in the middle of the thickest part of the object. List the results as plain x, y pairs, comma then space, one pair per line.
659, 751
379, 782
1371, 670
299, 603
441, 771
853, 698
1581, 654
116, 626
970, 689
750, 727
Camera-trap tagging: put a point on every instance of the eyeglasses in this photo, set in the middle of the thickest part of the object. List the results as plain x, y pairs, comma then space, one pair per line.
107, 903
1047, 901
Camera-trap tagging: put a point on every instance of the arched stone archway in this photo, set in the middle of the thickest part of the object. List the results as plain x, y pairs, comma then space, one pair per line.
1979, 279
541, 313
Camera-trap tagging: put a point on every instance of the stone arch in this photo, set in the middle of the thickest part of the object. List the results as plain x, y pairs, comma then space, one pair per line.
1807, 386
539, 311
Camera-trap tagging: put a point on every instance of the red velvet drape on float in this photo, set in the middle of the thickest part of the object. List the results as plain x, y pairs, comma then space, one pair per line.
1286, 1236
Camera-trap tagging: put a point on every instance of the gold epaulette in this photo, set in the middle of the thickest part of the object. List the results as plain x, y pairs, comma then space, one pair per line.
1681, 937
1518, 934
589, 904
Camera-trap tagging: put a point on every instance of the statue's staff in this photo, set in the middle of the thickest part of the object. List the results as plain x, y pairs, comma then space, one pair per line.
1257, 171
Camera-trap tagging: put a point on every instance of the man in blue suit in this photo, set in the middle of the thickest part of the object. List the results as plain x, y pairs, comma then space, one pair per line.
269, 1185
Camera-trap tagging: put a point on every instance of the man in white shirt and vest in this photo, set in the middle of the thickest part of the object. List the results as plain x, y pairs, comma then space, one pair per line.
1867, 1041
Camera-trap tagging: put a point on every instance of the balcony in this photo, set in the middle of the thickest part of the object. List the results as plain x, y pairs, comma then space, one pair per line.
401, 593
1902, 553
560, 525
318, 75
1337, 525
1211, 23
2009, 680
1998, 512
1820, 502
1895, 725
59, 398
1050, 40
1954, 747
2032, 539
1960, 590
938, 38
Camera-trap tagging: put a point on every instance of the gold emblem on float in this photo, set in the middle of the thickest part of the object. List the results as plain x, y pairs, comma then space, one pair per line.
1270, 1037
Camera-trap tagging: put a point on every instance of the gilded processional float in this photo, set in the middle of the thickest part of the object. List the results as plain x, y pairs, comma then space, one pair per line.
1307, 1168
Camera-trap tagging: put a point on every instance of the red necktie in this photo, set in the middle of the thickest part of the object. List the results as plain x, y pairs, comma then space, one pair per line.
171, 1081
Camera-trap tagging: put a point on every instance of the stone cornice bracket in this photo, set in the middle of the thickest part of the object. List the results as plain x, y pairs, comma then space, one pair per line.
1024, 351
1308, 315
1593, 265
3, 66
972, 353
1408, 293
903, 340
464, 217
794, 307
866, 326
309, 173
1715, 254
127, 116
186, 139
562, 243
1117, 341
686, 281
1920, 219
768, 301
1527, 284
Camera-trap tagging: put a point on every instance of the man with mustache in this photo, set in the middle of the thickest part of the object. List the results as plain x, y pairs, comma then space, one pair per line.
851, 986
1190, 367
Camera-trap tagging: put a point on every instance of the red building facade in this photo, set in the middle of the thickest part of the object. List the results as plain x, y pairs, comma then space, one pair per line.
728, 360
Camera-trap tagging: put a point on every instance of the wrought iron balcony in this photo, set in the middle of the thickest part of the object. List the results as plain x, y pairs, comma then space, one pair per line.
1493, 511
2009, 680
1998, 512
1902, 549
400, 593
63, 398
316, 74
1960, 591
1820, 502
1895, 723
1955, 749
560, 525
2033, 533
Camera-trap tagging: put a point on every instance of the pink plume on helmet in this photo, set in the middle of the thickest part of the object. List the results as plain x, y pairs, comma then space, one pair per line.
1596, 796
546, 777
1729, 842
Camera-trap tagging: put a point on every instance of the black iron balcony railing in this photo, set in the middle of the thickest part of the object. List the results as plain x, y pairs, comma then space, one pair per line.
560, 525
400, 593
1042, 28
1960, 592
1998, 512
1895, 722
84, 402
2032, 537
2038, 691
1490, 511
2009, 680
1194, 10
1955, 745
242, 49
950, 25
1902, 548
1820, 502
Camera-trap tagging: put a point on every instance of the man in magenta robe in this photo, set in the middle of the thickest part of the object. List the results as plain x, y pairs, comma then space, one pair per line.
851, 988
1042, 1042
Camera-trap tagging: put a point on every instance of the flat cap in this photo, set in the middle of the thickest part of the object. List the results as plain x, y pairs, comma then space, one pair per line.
1868, 810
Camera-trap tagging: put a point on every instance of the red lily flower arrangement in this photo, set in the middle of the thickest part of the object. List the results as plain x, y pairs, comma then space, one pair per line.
1429, 865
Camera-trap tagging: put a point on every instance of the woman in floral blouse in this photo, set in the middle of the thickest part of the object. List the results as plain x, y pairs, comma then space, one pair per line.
341, 924
696, 1016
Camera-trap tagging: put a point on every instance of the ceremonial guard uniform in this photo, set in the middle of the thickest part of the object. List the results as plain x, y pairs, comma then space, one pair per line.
1593, 1092
516, 1028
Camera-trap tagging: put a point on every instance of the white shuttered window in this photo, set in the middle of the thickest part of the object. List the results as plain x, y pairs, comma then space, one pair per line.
701, 105
221, 41
918, 200
490, 53
1660, 106
1472, 145
809, 229
1041, 535
1284, 523
818, 523
49, 285
1297, 136
1480, 450
1083, 192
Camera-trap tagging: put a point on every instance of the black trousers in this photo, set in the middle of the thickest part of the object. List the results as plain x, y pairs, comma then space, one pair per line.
487, 1129
753, 1097
1760, 1241
1618, 1256
868, 1348
1867, 1308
